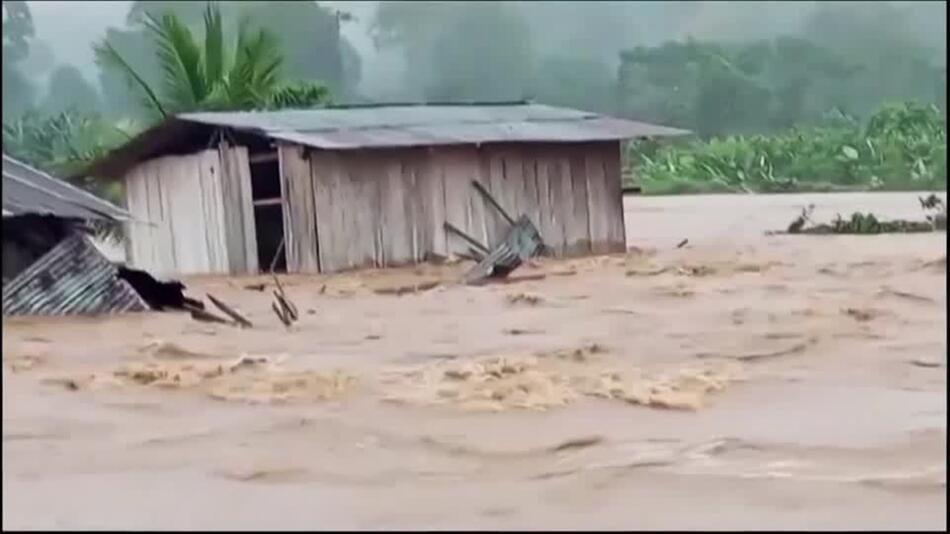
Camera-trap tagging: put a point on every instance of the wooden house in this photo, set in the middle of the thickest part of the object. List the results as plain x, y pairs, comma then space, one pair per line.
324, 190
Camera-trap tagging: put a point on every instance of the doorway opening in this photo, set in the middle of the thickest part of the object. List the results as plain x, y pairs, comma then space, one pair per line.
268, 211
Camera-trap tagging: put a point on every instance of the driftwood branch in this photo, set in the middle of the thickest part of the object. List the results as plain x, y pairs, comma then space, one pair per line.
287, 307
280, 249
285, 310
199, 314
230, 312
280, 315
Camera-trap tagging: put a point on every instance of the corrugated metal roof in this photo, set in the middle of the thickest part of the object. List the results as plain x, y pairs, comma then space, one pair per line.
377, 126
594, 129
406, 125
28, 190
72, 278
396, 116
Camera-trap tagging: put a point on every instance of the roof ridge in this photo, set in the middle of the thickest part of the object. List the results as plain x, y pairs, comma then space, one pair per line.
374, 105
589, 115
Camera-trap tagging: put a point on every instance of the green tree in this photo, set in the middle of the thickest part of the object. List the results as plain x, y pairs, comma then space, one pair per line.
715, 88
138, 50
17, 32
483, 54
210, 76
896, 61
574, 82
459, 50
64, 142
308, 33
68, 89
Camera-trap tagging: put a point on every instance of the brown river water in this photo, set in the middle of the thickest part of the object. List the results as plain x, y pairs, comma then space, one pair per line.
742, 381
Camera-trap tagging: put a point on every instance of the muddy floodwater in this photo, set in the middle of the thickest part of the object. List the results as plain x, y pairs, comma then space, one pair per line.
741, 381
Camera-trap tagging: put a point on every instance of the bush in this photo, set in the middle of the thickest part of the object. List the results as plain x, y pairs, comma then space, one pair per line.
903, 147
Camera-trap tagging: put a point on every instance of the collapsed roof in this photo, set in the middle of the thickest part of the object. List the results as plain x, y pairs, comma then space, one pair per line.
49, 266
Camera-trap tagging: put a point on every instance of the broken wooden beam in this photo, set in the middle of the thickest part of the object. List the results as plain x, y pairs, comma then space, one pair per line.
494, 203
202, 315
280, 315
285, 302
230, 312
468, 239
521, 242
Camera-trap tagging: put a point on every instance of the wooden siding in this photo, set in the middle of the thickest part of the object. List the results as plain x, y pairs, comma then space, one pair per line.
239, 208
385, 207
300, 219
190, 214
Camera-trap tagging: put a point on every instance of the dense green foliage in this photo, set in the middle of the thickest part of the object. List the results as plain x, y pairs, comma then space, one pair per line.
18, 31
306, 33
935, 220
64, 142
68, 89
782, 96
901, 147
210, 76
712, 88
450, 56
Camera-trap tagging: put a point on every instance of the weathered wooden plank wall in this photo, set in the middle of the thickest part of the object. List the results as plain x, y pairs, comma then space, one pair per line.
386, 207
300, 219
616, 233
212, 204
238, 202
140, 247
188, 215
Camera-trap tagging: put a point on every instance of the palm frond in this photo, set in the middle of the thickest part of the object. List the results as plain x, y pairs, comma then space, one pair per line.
256, 69
108, 56
299, 95
214, 45
237, 84
181, 61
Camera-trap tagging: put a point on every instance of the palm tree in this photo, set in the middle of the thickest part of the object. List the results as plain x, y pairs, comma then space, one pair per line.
211, 77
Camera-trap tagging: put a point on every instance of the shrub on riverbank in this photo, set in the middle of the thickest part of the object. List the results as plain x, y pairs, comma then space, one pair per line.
902, 147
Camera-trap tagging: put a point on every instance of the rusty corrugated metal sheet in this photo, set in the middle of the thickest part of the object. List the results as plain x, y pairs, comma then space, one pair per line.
72, 278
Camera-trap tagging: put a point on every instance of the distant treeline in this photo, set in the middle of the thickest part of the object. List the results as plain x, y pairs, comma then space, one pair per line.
809, 94
844, 58
902, 147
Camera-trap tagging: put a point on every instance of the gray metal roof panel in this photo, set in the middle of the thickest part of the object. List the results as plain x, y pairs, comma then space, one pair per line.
382, 117
72, 278
28, 190
21, 197
596, 129
379, 126
431, 125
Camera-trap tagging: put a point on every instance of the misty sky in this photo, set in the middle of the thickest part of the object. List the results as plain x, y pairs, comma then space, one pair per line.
69, 28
